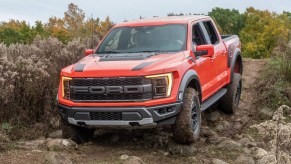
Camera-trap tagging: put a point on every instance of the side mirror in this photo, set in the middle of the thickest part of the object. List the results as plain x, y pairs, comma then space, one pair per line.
205, 50
88, 52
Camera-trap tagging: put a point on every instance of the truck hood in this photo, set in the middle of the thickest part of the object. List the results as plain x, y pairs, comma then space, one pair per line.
137, 64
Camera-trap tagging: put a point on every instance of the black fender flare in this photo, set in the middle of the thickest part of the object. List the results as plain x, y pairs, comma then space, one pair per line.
187, 78
236, 56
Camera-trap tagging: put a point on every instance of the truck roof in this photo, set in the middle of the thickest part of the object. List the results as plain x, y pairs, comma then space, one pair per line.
162, 20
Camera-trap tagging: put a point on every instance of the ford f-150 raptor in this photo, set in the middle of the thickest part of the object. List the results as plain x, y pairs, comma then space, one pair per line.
152, 72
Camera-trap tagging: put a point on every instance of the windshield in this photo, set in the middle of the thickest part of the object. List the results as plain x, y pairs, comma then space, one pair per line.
164, 38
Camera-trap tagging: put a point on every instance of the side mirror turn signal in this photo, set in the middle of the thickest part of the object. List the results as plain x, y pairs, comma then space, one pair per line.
88, 52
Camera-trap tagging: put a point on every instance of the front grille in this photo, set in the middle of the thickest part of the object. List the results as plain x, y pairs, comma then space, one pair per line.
113, 97
110, 116
107, 81
88, 96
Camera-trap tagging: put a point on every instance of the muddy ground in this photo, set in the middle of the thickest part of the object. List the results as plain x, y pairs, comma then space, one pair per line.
224, 138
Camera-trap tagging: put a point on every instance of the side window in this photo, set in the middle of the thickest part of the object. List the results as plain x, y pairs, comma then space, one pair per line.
197, 35
211, 32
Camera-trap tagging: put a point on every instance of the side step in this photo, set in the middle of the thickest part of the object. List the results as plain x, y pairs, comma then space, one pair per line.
212, 99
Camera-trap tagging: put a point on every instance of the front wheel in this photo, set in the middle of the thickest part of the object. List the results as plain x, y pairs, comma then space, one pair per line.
188, 123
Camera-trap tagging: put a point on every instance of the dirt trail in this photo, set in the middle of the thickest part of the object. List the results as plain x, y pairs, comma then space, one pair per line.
156, 146
251, 72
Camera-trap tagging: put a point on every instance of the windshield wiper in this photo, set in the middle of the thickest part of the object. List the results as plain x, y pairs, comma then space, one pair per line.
109, 52
156, 51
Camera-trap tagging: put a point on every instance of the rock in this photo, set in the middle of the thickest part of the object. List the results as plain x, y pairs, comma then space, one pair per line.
242, 159
270, 159
60, 144
238, 136
133, 160
57, 158
166, 153
206, 132
237, 125
32, 145
193, 160
215, 140
247, 151
229, 145
124, 157
226, 124
218, 161
214, 116
247, 142
219, 128
56, 134
260, 153
175, 148
267, 111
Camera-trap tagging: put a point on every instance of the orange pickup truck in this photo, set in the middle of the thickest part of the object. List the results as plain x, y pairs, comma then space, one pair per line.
152, 72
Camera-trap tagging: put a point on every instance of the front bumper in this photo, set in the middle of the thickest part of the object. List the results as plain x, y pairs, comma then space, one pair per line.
127, 117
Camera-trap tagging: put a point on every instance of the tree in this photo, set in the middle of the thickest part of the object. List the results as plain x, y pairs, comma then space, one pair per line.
175, 14
55, 28
74, 20
40, 30
9, 36
262, 32
104, 27
230, 21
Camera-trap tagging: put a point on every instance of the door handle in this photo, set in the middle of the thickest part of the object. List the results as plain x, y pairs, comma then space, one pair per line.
224, 52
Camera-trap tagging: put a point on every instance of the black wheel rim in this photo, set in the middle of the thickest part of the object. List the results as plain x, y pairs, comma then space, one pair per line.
195, 117
237, 94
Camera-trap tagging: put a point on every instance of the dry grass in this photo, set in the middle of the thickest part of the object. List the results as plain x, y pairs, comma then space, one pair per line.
29, 77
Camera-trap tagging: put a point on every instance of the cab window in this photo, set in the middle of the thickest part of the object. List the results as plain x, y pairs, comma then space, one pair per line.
211, 32
197, 35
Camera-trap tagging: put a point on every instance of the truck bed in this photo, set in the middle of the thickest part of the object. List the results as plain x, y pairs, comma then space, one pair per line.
231, 42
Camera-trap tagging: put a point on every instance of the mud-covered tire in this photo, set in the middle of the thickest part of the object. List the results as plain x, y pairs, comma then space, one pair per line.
77, 134
187, 126
229, 102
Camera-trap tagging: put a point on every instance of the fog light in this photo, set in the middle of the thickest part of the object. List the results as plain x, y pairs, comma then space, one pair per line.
162, 111
170, 109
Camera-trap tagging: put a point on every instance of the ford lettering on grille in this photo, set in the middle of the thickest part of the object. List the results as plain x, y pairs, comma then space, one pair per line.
111, 89
108, 89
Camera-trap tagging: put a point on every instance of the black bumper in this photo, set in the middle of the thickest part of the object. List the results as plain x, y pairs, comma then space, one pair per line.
121, 116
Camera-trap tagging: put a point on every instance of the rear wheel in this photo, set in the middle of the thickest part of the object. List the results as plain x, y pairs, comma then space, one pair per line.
230, 100
188, 123
76, 133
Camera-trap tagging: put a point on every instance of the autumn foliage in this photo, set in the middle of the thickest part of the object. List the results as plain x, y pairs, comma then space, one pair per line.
73, 25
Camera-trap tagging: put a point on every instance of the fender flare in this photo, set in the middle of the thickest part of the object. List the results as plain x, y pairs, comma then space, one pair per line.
236, 56
187, 78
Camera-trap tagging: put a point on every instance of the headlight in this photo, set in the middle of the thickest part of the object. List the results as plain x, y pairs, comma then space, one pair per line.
162, 84
66, 87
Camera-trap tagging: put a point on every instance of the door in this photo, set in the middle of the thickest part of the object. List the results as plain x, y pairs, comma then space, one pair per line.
219, 59
203, 65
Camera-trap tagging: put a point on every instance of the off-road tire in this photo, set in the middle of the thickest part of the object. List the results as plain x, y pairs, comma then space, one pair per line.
229, 102
78, 134
184, 130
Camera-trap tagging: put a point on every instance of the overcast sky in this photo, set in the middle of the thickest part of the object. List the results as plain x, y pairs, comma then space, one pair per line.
119, 10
